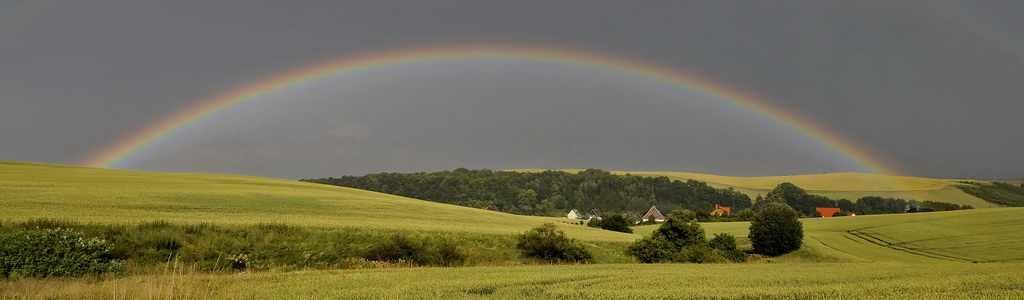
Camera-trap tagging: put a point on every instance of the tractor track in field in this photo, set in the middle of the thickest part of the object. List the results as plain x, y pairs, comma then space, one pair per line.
879, 240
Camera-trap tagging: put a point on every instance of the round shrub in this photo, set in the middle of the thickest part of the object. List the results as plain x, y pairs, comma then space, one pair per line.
616, 222
653, 249
547, 243
681, 232
726, 244
776, 229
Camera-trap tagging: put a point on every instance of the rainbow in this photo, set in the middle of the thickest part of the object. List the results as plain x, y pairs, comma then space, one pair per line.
148, 138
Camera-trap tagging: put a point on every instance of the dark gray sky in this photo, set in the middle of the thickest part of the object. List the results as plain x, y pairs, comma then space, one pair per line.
934, 87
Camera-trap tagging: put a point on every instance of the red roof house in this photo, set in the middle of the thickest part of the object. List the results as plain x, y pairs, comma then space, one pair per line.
721, 210
827, 212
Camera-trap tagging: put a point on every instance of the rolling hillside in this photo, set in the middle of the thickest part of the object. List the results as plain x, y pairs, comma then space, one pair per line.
33, 190
975, 235
90, 195
835, 185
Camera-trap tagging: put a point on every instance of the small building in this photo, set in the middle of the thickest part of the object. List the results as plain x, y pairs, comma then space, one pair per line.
827, 212
916, 209
573, 214
655, 214
721, 210
594, 213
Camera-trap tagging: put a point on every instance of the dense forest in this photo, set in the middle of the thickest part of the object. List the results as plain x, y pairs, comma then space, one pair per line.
548, 193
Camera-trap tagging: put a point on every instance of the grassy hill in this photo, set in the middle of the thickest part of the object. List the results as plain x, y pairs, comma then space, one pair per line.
91, 195
976, 235
921, 255
835, 185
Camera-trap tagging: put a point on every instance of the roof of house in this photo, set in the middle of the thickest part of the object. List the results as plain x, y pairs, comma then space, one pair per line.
594, 212
653, 213
727, 210
827, 211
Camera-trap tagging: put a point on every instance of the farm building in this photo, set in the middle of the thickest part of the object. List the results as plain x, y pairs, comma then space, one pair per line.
594, 213
827, 212
573, 214
721, 210
655, 214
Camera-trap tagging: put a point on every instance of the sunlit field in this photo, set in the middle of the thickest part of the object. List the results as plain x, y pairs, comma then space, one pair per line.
958, 254
609, 281
89, 195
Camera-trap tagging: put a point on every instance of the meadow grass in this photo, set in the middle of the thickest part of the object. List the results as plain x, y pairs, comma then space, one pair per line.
614, 281
975, 235
880, 256
91, 195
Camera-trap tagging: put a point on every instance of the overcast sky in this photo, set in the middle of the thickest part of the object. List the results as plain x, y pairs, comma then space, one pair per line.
936, 88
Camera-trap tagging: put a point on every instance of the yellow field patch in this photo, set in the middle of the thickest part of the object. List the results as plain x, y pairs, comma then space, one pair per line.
91, 195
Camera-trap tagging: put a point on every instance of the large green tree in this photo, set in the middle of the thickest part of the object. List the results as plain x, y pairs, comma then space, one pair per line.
776, 229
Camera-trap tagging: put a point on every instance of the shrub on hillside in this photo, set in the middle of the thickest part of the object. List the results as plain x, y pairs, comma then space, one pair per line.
683, 214
398, 247
776, 229
681, 233
402, 248
726, 243
652, 249
57, 252
547, 243
683, 241
616, 222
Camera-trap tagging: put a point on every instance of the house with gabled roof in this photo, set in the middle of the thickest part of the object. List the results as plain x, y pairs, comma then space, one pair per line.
573, 214
655, 214
594, 213
721, 210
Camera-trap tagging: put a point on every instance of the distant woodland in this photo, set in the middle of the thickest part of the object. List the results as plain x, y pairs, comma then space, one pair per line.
548, 193
998, 192
553, 193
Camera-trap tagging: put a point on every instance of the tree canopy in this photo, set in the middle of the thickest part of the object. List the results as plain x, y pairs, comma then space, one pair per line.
776, 229
548, 193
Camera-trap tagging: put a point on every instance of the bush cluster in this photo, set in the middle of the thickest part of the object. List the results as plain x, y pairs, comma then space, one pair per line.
402, 248
59, 252
263, 246
546, 243
681, 239
613, 222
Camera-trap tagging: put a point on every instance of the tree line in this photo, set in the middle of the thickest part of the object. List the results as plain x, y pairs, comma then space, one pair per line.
548, 193
807, 204
1001, 193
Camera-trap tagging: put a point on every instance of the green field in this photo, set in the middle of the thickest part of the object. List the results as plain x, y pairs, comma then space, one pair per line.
871, 256
609, 281
835, 185
89, 195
